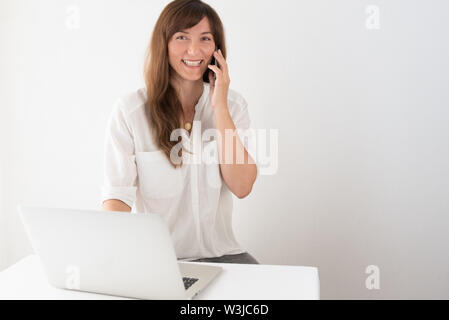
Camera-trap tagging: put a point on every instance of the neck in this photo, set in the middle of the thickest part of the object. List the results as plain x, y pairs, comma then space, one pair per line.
189, 92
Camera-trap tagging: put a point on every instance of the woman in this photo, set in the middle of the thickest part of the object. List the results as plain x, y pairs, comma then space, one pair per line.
148, 159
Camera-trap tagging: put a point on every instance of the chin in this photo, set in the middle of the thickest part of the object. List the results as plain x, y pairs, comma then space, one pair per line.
193, 78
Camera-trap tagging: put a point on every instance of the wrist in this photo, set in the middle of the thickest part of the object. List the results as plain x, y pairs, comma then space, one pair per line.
220, 108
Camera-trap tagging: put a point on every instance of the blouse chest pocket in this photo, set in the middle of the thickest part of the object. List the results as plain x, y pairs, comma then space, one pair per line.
158, 179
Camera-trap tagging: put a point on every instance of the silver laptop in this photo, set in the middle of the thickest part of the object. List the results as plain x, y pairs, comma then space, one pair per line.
114, 253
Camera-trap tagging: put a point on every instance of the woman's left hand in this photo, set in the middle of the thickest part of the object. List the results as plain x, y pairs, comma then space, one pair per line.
220, 86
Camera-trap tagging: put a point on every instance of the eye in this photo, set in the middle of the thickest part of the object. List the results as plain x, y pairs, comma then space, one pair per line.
180, 37
207, 38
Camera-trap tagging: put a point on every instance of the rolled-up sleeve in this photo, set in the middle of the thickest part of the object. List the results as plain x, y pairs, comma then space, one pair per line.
243, 125
120, 171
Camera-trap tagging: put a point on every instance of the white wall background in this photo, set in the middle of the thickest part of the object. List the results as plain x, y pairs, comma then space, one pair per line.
363, 151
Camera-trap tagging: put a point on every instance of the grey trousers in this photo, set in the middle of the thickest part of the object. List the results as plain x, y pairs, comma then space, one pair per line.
242, 258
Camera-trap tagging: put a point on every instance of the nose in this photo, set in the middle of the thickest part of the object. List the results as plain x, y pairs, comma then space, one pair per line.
194, 49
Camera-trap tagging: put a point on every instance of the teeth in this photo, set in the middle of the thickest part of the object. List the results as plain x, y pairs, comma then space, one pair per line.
192, 63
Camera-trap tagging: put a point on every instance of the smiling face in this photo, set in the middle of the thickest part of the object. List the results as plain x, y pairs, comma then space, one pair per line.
190, 51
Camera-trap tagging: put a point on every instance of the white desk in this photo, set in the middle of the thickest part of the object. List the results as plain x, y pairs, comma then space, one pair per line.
26, 280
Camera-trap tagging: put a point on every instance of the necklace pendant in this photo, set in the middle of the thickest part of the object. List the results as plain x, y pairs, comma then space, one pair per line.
188, 126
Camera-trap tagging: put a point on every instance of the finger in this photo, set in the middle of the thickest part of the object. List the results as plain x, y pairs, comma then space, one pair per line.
221, 60
217, 70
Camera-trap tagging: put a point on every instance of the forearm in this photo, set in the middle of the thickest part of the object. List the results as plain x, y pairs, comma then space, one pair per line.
238, 175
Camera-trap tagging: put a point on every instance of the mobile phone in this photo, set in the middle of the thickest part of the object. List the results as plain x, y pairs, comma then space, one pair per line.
215, 62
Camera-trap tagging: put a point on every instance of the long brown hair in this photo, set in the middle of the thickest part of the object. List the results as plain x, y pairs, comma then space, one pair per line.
163, 108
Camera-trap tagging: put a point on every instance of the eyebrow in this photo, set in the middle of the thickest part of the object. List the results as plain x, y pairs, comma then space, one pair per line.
189, 33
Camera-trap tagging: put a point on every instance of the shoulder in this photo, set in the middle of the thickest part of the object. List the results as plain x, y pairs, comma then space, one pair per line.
237, 104
131, 102
236, 99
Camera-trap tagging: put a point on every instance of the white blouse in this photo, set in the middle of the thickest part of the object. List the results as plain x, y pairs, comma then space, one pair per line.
193, 200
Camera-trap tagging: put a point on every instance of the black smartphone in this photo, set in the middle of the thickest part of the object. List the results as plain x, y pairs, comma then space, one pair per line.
214, 62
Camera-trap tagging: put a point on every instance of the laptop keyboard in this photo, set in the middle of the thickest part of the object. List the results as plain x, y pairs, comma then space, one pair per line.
188, 282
